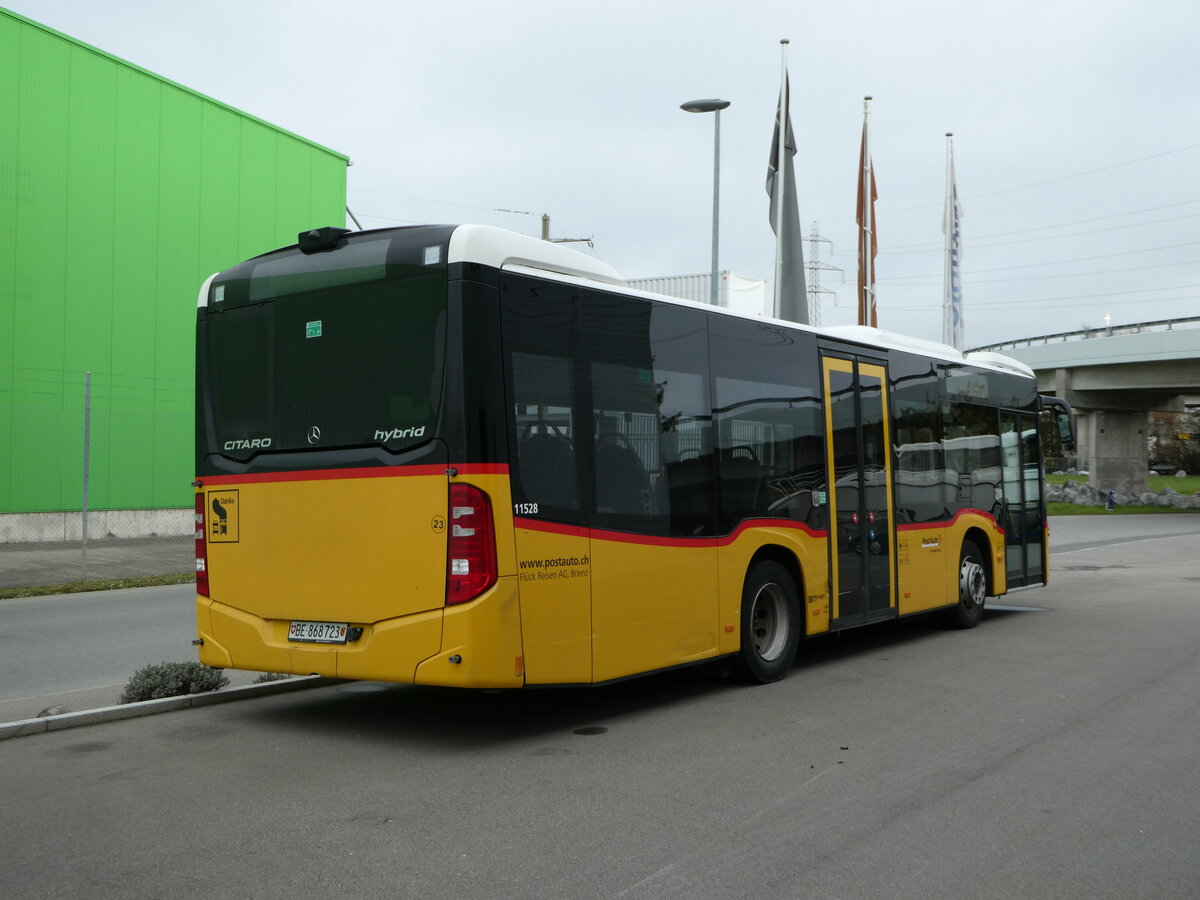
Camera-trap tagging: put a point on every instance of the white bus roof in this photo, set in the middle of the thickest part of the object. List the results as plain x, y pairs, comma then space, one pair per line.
499, 248
504, 249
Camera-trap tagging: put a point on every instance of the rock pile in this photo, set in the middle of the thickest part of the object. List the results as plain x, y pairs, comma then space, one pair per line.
1086, 494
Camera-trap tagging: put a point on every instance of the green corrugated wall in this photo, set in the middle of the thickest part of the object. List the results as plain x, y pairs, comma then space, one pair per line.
120, 192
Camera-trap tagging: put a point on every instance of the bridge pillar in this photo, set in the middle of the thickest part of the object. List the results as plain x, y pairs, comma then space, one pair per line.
1118, 457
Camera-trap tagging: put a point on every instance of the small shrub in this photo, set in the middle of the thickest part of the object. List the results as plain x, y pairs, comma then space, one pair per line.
267, 677
172, 680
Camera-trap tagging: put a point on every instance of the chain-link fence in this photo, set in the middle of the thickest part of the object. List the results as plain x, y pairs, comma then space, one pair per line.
87, 456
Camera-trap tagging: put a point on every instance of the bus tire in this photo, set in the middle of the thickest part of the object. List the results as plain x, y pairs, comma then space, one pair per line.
771, 624
972, 588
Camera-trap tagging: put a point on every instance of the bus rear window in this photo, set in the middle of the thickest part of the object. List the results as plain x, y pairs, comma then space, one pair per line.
293, 273
331, 366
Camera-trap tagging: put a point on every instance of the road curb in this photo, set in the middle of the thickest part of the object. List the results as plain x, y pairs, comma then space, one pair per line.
24, 727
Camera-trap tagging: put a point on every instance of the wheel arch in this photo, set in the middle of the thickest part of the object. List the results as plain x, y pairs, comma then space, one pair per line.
786, 558
980, 539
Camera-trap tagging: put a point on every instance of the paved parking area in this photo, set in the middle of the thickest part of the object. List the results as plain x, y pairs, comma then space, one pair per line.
26, 565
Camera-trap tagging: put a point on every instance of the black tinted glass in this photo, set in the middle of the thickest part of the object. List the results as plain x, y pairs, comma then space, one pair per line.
652, 423
539, 327
770, 423
337, 349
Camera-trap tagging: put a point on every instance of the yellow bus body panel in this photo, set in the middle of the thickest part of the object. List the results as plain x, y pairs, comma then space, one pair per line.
481, 643
352, 549
922, 556
387, 651
484, 635
554, 578
811, 555
927, 560
377, 562
652, 606
571, 605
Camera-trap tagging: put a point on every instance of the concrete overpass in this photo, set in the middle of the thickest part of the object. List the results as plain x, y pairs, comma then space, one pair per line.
1113, 377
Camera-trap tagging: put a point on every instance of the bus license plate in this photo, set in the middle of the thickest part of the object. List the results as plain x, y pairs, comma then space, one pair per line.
317, 632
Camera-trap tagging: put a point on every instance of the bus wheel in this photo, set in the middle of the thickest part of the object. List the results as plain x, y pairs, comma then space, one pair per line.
770, 623
972, 588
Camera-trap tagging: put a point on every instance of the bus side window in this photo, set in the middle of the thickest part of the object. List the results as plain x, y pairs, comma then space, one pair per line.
652, 446
769, 423
547, 470
540, 341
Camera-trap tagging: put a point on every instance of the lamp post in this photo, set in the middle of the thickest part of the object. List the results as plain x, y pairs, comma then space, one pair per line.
712, 106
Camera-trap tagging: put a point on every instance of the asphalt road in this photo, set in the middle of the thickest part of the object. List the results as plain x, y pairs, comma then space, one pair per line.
1051, 752
78, 651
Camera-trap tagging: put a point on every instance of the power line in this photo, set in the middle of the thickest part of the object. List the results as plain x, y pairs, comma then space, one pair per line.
1072, 300
1021, 187
937, 277
931, 246
1061, 262
1132, 212
974, 244
367, 215
515, 212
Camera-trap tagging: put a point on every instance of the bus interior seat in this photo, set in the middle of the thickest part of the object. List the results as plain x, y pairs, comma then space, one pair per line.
547, 462
800, 506
742, 485
690, 488
622, 483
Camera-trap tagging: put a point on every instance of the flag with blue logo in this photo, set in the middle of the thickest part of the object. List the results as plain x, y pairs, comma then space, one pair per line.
952, 308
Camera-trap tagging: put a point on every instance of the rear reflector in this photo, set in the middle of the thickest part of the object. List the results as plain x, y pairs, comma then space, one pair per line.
471, 547
201, 549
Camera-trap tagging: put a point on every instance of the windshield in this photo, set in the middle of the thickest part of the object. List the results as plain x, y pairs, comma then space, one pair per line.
337, 349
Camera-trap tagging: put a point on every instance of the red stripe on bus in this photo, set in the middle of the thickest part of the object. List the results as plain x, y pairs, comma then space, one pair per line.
650, 540
549, 527
946, 523
366, 472
480, 468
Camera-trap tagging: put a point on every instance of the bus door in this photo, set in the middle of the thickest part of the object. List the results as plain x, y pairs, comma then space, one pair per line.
859, 475
1024, 523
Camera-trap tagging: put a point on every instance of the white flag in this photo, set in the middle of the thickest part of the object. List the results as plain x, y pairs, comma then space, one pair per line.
952, 308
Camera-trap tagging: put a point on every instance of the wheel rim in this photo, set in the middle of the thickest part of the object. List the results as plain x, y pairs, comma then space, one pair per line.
769, 621
972, 585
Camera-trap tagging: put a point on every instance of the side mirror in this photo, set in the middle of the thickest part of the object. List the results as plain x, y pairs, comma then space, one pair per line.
1063, 418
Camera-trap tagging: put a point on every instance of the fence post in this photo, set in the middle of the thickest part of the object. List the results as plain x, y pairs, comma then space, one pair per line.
87, 449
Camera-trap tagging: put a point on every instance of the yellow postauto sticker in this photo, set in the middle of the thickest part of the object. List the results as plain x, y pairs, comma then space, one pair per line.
223, 517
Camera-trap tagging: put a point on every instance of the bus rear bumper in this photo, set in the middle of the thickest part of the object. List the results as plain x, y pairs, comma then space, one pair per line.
481, 643
477, 644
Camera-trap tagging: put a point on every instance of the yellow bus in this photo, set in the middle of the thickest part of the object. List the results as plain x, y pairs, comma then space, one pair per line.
454, 455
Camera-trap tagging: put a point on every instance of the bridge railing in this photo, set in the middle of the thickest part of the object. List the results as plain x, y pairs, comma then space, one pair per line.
1085, 334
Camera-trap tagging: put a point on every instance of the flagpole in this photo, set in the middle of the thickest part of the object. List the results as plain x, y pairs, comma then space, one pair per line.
867, 315
948, 224
782, 125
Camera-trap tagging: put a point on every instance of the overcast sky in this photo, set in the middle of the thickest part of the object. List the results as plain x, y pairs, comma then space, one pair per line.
1077, 134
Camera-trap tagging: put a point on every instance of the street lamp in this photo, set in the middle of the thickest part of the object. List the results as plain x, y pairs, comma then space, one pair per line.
712, 106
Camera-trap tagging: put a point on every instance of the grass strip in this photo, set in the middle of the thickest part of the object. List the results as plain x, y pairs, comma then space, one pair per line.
79, 587
1188, 484
1075, 509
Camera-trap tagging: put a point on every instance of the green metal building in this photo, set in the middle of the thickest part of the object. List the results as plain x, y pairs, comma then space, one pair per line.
120, 192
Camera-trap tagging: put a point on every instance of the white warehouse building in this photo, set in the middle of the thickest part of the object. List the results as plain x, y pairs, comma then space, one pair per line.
735, 292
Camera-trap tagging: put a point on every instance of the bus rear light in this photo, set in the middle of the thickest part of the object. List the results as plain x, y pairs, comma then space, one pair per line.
471, 547
201, 549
